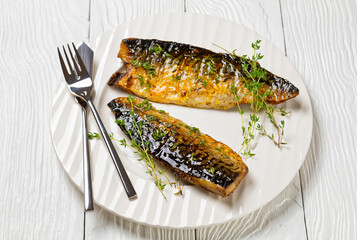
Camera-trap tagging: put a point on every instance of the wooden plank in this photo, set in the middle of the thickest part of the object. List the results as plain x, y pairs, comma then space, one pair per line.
104, 225
283, 218
261, 16
105, 15
38, 200
321, 41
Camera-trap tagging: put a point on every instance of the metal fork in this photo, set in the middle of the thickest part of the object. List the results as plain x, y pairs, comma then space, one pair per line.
88, 190
80, 84
87, 54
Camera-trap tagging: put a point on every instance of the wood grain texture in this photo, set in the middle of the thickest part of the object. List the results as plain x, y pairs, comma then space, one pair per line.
261, 16
285, 212
321, 41
282, 218
38, 200
107, 14
104, 225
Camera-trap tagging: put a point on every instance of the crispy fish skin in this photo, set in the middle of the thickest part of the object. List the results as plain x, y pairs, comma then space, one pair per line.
182, 74
191, 155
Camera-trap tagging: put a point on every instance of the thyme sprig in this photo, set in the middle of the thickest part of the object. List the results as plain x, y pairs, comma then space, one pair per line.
146, 65
158, 49
143, 148
253, 77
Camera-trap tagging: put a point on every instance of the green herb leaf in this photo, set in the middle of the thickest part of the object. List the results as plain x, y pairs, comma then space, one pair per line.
156, 48
93, 135
253, 76
141, 80
211, 170
151, 117
145, 105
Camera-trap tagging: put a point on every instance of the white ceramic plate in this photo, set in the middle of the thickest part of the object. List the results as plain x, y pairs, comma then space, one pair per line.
270, 170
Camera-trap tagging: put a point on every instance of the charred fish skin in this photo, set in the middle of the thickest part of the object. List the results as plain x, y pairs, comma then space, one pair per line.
190, 154
182, 74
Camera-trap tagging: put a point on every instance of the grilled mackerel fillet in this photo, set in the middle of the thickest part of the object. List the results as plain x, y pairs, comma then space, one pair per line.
191, 155
170, 72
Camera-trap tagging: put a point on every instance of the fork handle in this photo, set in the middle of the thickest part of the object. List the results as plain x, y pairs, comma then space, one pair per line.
88, 193
130, 191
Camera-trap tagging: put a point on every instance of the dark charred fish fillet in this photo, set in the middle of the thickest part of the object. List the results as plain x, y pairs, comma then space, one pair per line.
191, 155
170, 72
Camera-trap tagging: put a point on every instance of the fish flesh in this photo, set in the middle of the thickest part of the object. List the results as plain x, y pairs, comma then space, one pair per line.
190, 154
182, 74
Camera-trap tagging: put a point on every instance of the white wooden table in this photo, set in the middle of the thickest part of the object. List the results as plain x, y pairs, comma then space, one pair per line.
38, 201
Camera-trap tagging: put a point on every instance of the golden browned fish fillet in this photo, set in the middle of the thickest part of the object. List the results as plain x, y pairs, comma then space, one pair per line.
189, 153
170, 72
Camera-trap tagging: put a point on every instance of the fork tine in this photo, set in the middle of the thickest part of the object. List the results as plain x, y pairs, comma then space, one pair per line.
68, 62
73, 60
81, 64
63, 65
